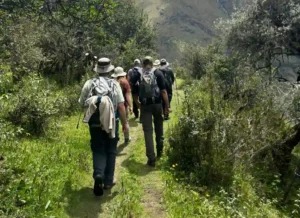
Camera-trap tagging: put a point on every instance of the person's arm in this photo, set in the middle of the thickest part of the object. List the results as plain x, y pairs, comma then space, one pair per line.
122, 113
121, 108
85, 92
128, 94
128, 99
162, 86
165, 97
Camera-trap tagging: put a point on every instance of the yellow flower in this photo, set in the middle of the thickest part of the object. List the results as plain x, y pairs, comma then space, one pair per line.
207, 195
173, 166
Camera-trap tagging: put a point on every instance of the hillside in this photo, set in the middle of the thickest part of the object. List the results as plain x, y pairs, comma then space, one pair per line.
187, 21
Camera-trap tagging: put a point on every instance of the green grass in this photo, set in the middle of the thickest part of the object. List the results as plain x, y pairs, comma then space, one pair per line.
44, 171
53, 177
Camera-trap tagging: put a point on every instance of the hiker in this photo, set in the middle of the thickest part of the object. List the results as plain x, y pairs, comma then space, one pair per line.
104, 101
149, 90
120, 77
90, 60
169, 81
137, 68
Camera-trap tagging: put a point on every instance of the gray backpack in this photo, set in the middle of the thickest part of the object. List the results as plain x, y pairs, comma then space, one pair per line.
105, 87
148, 87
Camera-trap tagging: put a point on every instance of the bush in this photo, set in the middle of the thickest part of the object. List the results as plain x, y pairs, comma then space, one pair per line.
216, 133
6, 79
36, 101
194, 143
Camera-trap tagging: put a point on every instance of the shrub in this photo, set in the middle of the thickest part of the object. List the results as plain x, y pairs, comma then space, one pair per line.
215, 134
34, 103
6, 79
194, 143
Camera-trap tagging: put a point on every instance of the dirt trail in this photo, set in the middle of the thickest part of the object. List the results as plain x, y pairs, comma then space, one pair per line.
88, 206
85, 204
131, 159
153, 195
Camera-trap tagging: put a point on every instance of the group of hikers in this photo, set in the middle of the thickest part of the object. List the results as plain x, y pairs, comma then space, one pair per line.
111, 96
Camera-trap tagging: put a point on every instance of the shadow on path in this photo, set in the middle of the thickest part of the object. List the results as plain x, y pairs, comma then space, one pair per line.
133, 123
83, 203
121, 147
137, 168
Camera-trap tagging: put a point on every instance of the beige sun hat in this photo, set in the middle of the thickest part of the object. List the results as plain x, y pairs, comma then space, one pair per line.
104, 66
119, 71
137, 61
156, 63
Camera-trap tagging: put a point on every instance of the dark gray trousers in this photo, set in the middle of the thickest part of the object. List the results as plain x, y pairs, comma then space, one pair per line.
104, 153
147, 112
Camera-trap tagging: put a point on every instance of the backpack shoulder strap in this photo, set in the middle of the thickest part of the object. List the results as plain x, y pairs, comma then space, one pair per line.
94, 84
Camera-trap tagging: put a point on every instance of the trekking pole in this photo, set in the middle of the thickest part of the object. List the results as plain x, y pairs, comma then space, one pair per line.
296, 175
78, 120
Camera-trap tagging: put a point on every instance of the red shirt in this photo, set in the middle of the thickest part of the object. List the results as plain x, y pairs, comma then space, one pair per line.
125, 89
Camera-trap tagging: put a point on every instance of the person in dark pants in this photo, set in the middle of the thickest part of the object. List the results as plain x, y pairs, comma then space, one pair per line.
169, 81
134, 70
103, 143
148, 92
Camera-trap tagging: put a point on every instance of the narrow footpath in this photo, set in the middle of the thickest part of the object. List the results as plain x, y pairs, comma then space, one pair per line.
139, 190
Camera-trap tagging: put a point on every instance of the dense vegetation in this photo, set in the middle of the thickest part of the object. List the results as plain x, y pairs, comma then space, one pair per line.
239, 127
43, 64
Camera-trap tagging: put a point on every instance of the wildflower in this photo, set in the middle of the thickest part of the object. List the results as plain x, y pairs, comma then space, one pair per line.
173, 166
207, 195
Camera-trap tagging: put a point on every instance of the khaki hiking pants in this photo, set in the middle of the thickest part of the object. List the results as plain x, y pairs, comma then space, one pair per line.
147, 112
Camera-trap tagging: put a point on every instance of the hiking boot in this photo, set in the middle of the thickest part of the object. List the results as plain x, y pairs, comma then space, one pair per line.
127, 141
166, 117
98, 185
111, 185
151, 163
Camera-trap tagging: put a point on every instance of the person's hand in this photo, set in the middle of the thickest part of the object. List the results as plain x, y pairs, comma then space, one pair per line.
167, 111
130, 110
125, 127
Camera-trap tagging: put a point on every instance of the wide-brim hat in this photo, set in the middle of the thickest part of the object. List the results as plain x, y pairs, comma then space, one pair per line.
119, 71
104, 66
156, 63
163, 61
137, 61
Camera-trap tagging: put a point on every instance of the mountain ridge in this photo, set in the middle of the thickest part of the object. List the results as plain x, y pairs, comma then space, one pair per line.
185, 21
